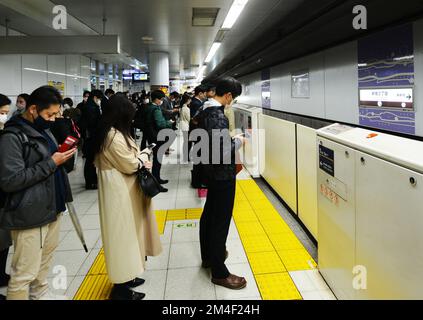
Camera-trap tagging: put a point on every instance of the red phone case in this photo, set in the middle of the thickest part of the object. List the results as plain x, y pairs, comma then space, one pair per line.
69, 143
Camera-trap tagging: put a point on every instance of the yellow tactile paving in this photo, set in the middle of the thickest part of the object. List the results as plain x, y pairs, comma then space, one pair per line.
265, 262
245, 215
271, 246
297, 260
277, 286
285, 241
253, 244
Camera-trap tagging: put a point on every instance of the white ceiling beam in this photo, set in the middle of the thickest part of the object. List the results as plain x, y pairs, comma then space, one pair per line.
60, 45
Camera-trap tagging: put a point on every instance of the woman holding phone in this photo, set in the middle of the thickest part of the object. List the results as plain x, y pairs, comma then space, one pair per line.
128, 226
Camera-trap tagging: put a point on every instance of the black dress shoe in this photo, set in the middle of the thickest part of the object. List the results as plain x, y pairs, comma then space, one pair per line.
4, 280
163, 181
164, 190
2, 297
91, 186
135, 283
122, 293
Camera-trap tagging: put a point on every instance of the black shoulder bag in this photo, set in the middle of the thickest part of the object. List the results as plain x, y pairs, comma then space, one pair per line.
149, 185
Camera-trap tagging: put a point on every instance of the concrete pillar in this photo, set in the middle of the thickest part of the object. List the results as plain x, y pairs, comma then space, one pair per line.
159, 70
97, 75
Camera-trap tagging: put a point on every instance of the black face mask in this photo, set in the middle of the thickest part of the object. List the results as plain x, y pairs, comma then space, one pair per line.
42, 124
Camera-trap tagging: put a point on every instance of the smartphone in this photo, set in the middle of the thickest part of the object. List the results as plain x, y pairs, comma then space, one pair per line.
69, 143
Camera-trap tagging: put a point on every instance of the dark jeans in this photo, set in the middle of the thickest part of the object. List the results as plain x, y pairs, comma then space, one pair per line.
90, 173
214, 225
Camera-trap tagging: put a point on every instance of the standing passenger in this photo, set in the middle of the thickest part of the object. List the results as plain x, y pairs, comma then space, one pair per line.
90, 118
154, 122
37, 189
21, 102
128, 226
184, 124
221, 181
5, 239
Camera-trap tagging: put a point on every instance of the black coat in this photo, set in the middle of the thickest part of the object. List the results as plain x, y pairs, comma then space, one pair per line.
214, 121
31, 200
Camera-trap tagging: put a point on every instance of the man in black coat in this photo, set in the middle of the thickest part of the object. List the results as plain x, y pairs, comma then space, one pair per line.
220, 176
90, 118
35, 189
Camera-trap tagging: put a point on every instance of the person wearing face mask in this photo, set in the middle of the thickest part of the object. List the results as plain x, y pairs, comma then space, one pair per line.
21, 103
5, 239
154, 122
90, 117
220, 177
36, 189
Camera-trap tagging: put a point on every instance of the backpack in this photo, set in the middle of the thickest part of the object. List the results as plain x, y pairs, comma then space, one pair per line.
25, 154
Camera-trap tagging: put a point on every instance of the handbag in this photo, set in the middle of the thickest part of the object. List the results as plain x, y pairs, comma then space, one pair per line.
149, 185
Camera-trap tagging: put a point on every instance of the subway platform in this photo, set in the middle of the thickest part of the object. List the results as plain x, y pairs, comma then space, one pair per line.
266, 245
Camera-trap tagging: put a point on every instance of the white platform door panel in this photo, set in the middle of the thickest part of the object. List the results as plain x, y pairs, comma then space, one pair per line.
336, 219
389, 229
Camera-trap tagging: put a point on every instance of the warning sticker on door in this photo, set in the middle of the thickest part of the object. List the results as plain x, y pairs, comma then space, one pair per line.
327, 160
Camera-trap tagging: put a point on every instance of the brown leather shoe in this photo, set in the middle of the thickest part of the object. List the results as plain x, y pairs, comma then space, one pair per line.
232, 282
206, 264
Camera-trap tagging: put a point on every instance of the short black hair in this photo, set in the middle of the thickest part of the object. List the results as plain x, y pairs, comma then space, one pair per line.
228, 85
109, 91
200, 89
68, 101
158, 94
97, 93
175, 94
44, 97
86, 92
4, 101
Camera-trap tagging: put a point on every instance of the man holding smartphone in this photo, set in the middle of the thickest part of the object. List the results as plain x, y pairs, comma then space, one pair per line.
35, 188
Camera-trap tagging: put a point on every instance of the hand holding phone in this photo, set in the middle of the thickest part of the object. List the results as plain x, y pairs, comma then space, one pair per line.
69, 143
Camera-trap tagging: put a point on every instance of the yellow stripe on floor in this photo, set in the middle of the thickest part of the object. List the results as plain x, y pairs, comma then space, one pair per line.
271, 246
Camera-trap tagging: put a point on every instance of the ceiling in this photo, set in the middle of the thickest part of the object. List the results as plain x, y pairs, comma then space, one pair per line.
167, 22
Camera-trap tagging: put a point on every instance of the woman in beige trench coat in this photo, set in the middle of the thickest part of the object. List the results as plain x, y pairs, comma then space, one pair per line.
128, 225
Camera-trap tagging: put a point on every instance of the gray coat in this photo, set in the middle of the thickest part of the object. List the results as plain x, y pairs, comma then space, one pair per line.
31, 200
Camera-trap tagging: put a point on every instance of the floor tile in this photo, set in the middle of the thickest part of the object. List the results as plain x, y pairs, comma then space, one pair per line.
160, 262
72, 241
186, 232
185, 254
189, 284
70, 260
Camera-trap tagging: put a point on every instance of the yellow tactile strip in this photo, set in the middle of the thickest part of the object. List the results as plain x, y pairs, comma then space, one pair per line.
271, 247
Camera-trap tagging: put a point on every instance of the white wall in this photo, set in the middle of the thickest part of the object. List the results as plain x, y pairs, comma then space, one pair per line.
15, 79
333, 84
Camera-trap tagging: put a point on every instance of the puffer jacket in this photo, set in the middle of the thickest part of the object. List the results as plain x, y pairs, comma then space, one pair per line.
30, 185
213, 120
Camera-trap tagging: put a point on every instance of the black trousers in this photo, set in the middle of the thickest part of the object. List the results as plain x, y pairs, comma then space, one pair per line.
3, 260
214, 225
143, 141
157, 161
90, 173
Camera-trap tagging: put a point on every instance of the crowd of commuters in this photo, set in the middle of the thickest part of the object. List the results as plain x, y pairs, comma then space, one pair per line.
35, 189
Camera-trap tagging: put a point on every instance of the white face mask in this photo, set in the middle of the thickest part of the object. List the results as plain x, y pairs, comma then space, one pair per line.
147, 101
3, 118
20, 107
99, 102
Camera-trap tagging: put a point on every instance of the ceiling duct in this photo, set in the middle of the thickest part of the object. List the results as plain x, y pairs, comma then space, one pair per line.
204, 17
